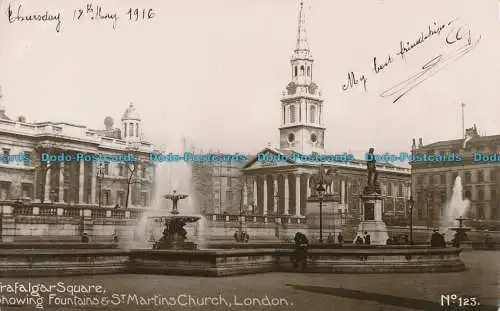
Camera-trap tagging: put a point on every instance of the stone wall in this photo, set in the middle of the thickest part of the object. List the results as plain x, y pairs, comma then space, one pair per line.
59, 222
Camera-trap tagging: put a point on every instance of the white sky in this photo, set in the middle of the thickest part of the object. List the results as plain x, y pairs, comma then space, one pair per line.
213, 71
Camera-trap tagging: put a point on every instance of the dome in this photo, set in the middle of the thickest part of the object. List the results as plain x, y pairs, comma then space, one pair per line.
131, 113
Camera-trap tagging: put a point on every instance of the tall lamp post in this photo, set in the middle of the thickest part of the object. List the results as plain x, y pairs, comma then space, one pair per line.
321, 192
411, 204
100, 177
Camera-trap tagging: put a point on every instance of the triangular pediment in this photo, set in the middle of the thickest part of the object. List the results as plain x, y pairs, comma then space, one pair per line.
268, 157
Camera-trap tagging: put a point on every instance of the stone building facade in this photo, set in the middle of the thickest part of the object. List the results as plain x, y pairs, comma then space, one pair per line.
433, 182
27, 173
217, 185
282, 187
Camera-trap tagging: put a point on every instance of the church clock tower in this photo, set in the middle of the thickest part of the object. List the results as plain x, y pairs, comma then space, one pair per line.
301, 127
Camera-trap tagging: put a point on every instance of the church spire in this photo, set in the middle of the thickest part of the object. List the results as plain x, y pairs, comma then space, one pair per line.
301, 32
302, 47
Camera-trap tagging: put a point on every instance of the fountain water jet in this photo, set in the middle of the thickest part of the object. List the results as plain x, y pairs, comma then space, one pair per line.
170, 176
453, 210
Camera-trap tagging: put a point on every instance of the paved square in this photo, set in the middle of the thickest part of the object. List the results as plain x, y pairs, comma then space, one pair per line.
289, 291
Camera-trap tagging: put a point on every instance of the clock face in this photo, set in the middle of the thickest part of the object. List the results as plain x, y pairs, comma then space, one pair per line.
291, 137
314, 138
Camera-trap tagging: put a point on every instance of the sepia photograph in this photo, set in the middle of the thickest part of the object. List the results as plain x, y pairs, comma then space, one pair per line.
250, 155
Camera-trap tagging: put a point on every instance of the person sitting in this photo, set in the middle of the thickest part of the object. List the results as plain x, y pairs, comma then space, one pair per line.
340, 238
367, 238
359, 240
301, 244
436, 239
85, 238
331, 238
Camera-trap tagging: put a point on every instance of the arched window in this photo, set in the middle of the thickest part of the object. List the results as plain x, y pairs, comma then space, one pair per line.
302, 70
131, 130
295, 70
312, 114
125, 130
308, 71
292, 114
137, 130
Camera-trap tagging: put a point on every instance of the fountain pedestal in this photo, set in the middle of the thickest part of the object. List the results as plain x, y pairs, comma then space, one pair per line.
174, 235
371, 217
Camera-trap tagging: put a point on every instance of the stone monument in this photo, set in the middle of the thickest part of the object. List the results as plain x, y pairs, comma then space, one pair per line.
371, 206
321, 205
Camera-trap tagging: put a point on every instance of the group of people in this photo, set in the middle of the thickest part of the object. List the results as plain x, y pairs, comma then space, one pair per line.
331, 238
365, 239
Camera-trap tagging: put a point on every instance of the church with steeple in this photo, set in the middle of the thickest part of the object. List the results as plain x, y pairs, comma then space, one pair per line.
302, 129
274, 189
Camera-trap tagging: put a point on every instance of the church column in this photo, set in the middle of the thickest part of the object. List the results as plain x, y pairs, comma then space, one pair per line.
308, 176
254, 192
61, 181
245, 193
93, 184
46, 194
287, 195
275, 195
342, 193
297, 195
264, 194
81, 181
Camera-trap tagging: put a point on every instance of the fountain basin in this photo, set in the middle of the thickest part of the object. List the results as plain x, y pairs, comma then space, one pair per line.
228, 262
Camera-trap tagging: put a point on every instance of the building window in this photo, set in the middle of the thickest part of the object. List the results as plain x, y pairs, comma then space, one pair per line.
106, 197
420, 180
144, 172
468, 177
120, 196
442, 178
131, 130
312, 115
468, 193
292, 114
493, 175
106, 168
125, 130
308, 71
295, 71
229, 181
27, 158
400, 190
6, 154
229, 195
389, 189
493, 194
137, 130
480, 176
431, 180
480, 194
480, 212
301, 70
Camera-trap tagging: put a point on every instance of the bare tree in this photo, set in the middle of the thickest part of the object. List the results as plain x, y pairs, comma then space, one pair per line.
134, 176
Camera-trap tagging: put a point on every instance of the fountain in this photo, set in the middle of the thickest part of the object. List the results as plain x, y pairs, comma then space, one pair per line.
170, 176
174, 235
454, 211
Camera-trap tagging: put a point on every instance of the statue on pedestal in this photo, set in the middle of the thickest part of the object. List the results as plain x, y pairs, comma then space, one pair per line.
372, 185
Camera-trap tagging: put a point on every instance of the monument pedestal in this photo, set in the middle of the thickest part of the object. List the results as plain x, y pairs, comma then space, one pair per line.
371, 221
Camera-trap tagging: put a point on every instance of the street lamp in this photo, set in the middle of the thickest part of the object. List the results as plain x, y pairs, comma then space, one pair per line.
410, 204
321, 192
100, 177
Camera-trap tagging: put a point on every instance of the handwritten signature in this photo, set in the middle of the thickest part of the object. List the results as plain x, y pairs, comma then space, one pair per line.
434, 65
